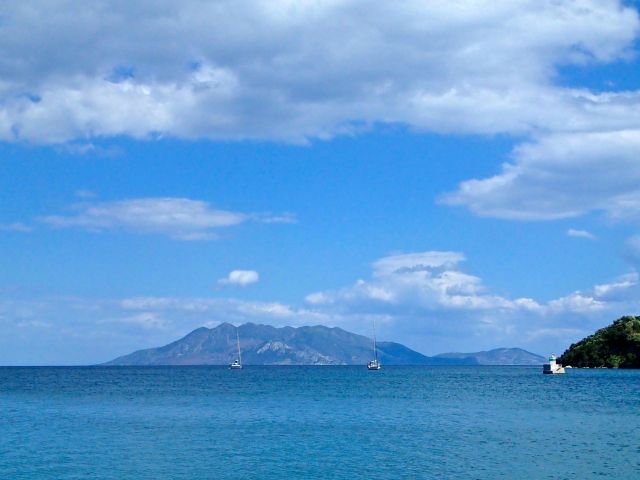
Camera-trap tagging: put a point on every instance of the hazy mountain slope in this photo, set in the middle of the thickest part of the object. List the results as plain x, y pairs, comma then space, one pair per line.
498, 356
267, 345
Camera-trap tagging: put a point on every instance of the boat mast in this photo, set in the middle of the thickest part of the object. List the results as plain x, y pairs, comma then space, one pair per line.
238, 338
375, 350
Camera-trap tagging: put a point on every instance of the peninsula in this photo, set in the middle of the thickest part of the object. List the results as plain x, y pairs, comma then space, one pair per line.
615, 346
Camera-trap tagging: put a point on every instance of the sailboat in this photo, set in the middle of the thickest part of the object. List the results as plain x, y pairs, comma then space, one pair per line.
374, 364
237, 363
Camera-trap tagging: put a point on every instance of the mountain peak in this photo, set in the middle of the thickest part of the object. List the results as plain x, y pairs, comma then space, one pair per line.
268, 345
200, 330
307, 345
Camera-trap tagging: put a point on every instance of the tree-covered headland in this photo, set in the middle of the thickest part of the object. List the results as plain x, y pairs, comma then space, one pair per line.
615, 346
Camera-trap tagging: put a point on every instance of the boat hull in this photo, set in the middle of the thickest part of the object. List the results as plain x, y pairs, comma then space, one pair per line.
373, 366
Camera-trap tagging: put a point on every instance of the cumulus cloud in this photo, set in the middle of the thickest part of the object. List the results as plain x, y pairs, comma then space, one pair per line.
428, 295
297, 70
240, 278
178, 218
561, 176
572, 232
413, 262
417, 282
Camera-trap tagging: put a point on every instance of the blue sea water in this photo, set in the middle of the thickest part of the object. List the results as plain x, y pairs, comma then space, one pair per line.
318, 423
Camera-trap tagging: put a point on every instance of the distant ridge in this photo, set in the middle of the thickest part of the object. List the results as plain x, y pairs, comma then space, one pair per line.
498, 356
267, 345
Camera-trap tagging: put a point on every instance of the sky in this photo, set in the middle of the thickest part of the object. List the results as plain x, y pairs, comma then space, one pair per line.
464, 174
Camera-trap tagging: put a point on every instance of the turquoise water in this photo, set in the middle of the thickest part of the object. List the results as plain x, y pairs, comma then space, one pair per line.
318, 423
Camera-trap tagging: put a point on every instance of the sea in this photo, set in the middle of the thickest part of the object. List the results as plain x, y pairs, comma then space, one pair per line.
294, 422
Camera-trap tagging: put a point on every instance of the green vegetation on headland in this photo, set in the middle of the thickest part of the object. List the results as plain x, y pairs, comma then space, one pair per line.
615, 346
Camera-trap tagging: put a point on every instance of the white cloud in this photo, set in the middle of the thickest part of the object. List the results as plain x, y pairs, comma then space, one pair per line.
577, 303
413, 262
561, 333
286, 217
188, 311
33, 324
417, 282
16, 227
178, 218
240, 278
84, 148
620, 289
561, 176
296, 70
71, 330
145, 320
572, 232
427, 296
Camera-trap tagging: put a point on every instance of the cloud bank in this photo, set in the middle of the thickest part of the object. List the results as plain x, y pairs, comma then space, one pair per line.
424, 299
297, 70
429, 295
562, 176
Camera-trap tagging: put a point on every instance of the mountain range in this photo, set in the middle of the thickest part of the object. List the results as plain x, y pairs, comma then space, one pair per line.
317, 345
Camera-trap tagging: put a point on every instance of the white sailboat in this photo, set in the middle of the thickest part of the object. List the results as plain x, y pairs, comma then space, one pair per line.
374, 364
237, 363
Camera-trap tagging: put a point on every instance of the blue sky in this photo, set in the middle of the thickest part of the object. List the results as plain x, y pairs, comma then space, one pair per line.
466, 176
